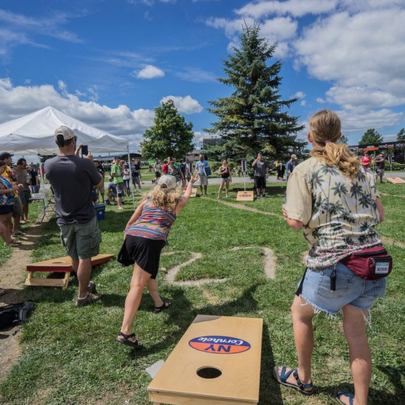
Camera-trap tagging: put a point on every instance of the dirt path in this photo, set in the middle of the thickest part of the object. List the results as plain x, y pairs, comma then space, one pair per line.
12, 276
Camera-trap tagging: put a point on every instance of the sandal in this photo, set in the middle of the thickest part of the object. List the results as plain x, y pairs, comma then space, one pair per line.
164, 306
306, 389
339, 394
129, 340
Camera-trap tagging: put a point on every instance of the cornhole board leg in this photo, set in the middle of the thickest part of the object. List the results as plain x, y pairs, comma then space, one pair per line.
58, 265
228, 345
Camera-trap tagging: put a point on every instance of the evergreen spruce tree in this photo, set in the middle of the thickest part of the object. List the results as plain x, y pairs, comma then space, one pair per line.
401, 135
170, 136
371, 137
254, 118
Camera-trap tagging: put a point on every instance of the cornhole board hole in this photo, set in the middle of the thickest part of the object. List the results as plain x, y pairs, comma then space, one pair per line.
216, 362
395, 180
245, 196
58, 265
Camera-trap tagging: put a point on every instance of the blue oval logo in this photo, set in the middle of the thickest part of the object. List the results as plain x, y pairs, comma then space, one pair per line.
219, 344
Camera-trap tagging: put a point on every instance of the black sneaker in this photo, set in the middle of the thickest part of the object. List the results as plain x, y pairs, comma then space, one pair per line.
264, 195
258, 197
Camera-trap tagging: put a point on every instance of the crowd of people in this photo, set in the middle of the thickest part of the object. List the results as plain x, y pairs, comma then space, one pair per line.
328, 285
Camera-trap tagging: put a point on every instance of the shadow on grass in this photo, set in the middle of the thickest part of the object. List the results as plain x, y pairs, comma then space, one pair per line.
396, 375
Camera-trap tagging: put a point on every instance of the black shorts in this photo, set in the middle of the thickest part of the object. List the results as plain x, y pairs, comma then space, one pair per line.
260, 182
6, 209
142, 251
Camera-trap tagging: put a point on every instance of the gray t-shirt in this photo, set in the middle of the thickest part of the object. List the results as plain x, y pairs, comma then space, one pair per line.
21, 177
261, 168
72, 179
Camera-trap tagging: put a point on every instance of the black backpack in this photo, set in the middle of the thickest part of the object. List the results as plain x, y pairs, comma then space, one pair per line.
14, 314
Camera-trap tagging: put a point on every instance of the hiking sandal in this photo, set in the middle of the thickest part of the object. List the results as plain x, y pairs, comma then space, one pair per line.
129, 340
164, 306
282, 377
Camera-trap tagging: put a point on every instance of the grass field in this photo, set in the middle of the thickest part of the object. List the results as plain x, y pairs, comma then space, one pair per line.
70, 356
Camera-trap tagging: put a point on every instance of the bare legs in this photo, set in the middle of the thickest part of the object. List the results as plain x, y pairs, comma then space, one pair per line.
5, 228
354, 326
140, 279
83, 270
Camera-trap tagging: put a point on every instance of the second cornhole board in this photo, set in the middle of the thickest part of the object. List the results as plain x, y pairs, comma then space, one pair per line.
245, 196
395, 180
59, 265
212, 345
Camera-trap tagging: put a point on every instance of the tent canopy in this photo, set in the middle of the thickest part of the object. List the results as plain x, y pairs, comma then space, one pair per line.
33, 134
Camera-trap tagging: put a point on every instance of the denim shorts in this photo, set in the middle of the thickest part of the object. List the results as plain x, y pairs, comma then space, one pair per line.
81, 241
350, 289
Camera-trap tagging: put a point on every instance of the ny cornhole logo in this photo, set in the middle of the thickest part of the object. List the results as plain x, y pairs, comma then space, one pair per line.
219, 344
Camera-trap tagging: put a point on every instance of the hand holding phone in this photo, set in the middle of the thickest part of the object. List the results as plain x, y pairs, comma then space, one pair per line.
85, 150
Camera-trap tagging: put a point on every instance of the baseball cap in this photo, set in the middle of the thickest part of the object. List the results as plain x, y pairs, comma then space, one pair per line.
168, 180
5, 155
66, 132
293, 156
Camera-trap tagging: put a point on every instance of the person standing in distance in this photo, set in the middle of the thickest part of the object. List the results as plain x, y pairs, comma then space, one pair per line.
291, 165
261, 172
200, 167
72, 179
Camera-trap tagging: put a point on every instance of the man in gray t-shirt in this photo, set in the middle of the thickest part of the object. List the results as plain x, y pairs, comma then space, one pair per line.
261, 172
72, 180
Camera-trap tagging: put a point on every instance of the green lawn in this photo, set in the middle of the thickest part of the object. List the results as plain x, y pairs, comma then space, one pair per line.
69, 355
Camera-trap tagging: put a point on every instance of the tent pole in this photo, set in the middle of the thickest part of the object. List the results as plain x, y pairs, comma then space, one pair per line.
130, 179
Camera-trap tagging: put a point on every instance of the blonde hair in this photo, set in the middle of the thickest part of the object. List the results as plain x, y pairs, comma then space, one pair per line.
324, 128
165, 198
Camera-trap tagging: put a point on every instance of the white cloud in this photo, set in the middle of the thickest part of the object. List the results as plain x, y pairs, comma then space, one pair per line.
349, 97
18, 29
149, 72
368, 52
185, 105
280, 29
195, 75
296, 8
18, 101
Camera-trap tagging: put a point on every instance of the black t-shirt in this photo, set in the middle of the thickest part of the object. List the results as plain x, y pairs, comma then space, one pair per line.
135, 170
72, 179
34, 175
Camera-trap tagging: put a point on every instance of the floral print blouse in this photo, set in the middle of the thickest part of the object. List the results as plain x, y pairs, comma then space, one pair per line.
339, 213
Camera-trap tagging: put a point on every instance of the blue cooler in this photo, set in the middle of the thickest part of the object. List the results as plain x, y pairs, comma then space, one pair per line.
100, 211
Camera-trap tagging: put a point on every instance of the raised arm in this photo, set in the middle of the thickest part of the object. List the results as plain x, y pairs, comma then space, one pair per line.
183, 200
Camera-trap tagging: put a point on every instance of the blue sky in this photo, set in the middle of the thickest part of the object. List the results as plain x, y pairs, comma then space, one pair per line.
110, 63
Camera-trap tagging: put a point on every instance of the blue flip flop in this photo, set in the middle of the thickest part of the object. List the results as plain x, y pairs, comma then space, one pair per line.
339, 394
306, 389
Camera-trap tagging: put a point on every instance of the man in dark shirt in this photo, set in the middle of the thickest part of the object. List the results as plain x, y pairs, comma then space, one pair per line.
72, 179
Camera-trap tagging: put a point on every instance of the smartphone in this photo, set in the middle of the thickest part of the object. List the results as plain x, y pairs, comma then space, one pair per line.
85, 150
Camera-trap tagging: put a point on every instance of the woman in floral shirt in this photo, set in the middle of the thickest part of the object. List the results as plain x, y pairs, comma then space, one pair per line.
333, 199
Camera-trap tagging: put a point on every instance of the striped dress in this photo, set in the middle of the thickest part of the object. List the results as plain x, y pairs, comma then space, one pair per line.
153, 223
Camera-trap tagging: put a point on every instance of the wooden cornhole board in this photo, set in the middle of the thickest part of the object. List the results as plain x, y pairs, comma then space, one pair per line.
231, 345
395, 180
245, 196
58, 265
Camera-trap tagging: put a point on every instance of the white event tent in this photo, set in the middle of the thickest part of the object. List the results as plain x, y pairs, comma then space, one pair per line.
33, 134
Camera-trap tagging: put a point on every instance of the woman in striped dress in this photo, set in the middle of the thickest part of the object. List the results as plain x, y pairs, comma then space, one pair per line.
145, 236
